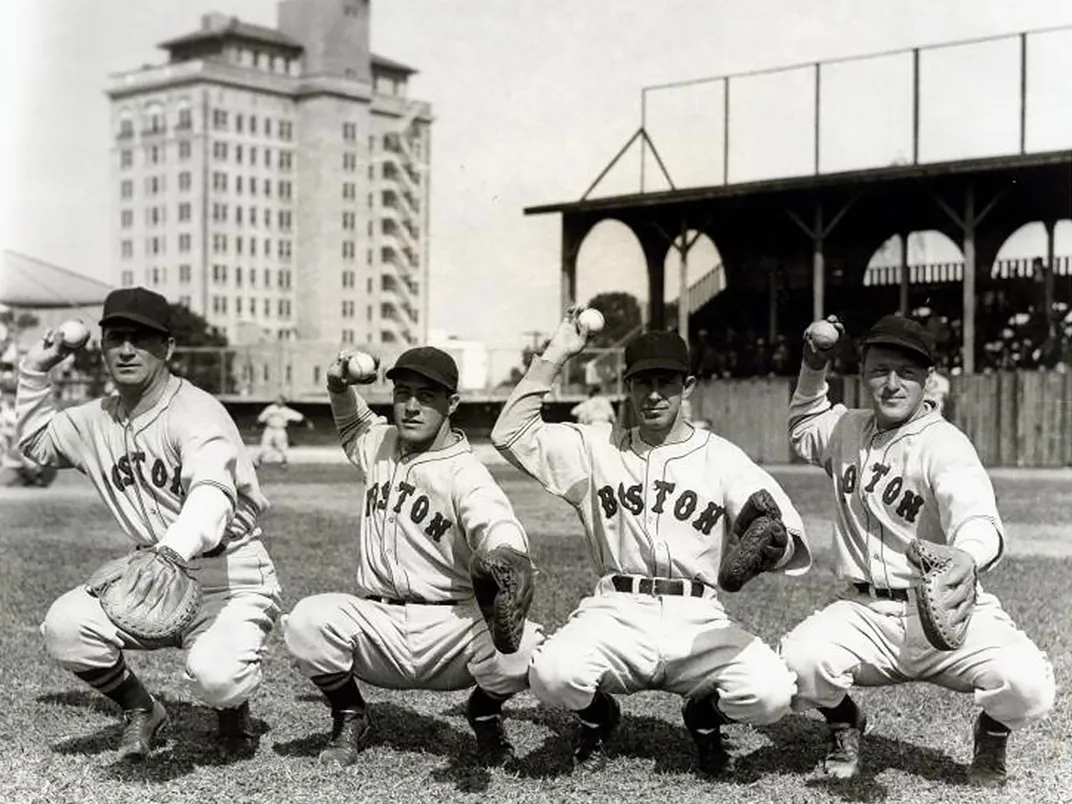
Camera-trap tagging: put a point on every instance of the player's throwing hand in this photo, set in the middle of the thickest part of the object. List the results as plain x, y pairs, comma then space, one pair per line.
569, 339
819, 340
47, 353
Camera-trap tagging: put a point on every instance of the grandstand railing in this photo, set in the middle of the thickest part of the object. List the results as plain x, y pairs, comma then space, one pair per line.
936, 272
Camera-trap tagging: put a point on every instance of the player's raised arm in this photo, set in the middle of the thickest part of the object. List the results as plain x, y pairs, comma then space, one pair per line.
44, 434
353, 417
811, 415
554, 454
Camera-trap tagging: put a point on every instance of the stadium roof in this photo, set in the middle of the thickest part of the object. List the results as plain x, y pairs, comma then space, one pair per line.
33, 284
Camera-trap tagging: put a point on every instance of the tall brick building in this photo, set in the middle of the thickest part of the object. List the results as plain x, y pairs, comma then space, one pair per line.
275, 180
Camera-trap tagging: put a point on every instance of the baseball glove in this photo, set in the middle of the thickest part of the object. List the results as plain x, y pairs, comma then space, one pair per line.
756, 544
945, 592
504, 583
149, 593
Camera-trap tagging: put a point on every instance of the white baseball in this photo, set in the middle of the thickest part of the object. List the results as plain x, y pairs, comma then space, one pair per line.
73, 334
823, 335
591, 319
362, 367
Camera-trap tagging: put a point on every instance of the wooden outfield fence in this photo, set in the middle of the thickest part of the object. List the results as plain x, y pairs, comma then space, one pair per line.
1014, 418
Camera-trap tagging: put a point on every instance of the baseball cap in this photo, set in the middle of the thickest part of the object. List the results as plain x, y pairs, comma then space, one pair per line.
903, 333
431, 363
138, 306
656, 351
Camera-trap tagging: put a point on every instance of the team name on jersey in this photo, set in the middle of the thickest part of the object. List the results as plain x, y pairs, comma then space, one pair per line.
132, 468
683, 505
903, 502
378, 496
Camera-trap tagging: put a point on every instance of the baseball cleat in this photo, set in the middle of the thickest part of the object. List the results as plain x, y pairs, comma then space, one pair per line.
988, 757
842, 760
238, 738
493, 747
591, 751
141, 728
348, 732
712, 758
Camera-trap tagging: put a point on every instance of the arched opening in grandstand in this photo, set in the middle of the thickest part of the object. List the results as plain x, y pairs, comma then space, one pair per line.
611, 260
705, 277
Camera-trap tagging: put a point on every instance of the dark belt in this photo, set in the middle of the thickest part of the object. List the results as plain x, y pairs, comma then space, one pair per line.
678, 587
397, 601
215, 551
875, 591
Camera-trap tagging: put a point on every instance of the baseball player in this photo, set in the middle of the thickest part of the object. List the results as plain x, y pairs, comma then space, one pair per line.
169, 463
412, 621
900, 472
276, 418
595, 409
657, 502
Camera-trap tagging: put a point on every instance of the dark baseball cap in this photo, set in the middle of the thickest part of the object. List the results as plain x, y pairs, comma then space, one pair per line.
903, 333
137, 306
656, 351
431, 363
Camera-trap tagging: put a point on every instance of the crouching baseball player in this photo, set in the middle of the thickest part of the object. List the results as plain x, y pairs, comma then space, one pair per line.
916, 521
443, 576
169, 463
670, 514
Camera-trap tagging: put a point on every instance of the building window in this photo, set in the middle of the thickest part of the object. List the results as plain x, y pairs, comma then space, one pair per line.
238, 245
184, 211
347, 249
238, 306
184, 274
185, 149
267, 251
349, 161
285, 160
219, 243
252, 124
184, 181
238, 185
284, 220
156, 245
126, 158
348, 278
349, 220
267, 127
284, 249
126, 189
285, 190
184, 243
267, 188
154, 185
156, 154
127, 279
267, 157
186, 117
348, 190
286, 130
219, 119
126, 249
347, 309
253, 247
267, 308
126, 218
238, 277
349, 132
238, 123
219, 151
126, 128
219, 181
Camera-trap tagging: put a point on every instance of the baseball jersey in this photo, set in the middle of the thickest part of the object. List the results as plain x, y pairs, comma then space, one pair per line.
144, 468
920, 480
277, 417
656, 511
423, 514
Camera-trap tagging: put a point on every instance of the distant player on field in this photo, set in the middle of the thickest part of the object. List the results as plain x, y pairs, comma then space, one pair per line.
900, 472
275, 419
658, 503
168, 461
412, 621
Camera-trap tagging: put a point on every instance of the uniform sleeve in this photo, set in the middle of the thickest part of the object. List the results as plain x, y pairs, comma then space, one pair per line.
354, 422
294, 416
554, 454
811, 416
965, 496
485, 514
207, 441
263, 417
742, 478
44, 434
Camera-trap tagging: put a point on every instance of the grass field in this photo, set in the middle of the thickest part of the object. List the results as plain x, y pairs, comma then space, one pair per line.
56, 737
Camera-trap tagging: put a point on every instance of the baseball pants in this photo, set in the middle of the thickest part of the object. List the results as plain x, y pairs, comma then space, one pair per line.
410, 646
223, 646
619, 642
875, 642
274, 441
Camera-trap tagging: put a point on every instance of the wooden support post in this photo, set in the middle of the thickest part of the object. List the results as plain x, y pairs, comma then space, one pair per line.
902, 302
968, 283
1050, 279
570, 247
683, 283
772, 304
818, 265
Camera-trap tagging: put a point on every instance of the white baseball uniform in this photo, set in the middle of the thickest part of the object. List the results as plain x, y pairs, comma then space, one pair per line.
275, 419
656, 520
922, 480
413, 621
145, 469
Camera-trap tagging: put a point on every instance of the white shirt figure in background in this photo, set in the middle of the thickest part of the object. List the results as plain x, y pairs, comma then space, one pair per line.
900, 472
936, 389
276, 418
658, 503
595, 409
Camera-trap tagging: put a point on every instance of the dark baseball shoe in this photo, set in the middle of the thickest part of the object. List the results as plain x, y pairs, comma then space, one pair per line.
842, 760
348, 732
988, 758
712, 758
238, 738
141, 728
493, 747
590, 753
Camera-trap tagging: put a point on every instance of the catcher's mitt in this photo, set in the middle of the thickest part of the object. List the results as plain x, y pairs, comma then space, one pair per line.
150, 594
945, 594
503, 582
756, 544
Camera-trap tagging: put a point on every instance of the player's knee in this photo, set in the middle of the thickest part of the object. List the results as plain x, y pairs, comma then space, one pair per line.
765, 698
554, 681
218, 681
64, 629
303, 627
1029, 683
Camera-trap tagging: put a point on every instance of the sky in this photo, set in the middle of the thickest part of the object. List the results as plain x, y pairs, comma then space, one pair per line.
531, 101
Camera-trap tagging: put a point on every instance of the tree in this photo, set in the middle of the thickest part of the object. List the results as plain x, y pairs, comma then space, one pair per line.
622, 314
211, 369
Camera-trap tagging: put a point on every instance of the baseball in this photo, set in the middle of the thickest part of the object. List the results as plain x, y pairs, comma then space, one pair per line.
73, 334
362, 367
823, 335
591, 319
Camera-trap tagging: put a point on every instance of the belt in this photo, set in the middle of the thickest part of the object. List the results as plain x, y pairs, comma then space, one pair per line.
678, 587
215, 551
875, 591
397, 601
